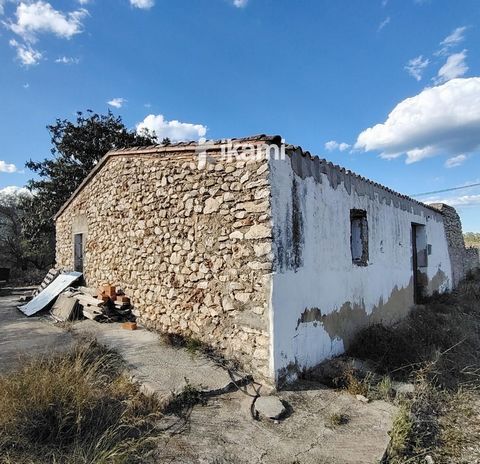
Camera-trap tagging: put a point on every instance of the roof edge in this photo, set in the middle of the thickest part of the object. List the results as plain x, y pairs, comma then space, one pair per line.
307, 154
216, 146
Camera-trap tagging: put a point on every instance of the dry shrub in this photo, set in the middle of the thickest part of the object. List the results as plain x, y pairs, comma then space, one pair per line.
445, 330
74, 408
438, 348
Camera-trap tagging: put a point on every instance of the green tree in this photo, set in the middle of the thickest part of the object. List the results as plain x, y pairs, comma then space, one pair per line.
15, 252
77, 146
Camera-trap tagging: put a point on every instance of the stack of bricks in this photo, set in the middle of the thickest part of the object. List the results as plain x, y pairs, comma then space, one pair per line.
109, 292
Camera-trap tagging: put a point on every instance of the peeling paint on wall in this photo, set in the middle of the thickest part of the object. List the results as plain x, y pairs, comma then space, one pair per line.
304, 165
320, 303
289, 247
350, 318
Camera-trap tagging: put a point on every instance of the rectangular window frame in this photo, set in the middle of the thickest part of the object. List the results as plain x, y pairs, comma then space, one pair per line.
359, 220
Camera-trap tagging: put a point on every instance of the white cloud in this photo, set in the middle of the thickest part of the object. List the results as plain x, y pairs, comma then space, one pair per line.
116, 102
174, 130
14, 190
439, 120
455, 38
84, 2
40, 17
455, 66
142, 4
27, 55
416, 66
67, 60
455, 161
7, 167
384, 23
463, 200
240, 3
334, 145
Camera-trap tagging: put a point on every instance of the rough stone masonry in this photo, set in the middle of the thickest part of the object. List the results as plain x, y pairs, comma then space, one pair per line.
190, 243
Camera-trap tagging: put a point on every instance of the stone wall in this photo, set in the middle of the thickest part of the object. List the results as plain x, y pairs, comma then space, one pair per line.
456, 243
191, 246
473, 258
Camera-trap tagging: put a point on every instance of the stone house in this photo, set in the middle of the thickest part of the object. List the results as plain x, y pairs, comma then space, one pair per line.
269, 255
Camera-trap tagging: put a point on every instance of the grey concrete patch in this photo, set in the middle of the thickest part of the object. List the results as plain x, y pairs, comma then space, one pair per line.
160, 367
21, 336
223, 431
65, 308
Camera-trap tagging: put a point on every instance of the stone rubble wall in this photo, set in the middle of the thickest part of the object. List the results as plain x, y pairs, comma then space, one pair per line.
459, 257
192, 247
473, 258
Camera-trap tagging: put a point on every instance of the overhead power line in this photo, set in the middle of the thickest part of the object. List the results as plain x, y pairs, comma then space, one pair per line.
446, 190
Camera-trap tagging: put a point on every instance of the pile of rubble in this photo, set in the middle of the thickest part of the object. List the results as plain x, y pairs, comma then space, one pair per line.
60, 291
107, 304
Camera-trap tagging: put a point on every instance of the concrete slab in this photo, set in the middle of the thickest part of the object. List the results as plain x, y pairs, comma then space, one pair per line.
21, 336
223, 431
64, 308
270, 407
159, 367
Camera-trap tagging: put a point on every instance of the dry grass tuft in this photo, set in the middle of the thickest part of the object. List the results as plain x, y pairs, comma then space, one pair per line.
74, 408
336, 419
401, 433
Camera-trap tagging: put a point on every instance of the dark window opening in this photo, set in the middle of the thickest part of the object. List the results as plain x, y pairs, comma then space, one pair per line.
359, 236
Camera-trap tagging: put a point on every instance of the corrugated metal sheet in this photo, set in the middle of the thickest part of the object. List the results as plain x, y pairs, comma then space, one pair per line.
44, 298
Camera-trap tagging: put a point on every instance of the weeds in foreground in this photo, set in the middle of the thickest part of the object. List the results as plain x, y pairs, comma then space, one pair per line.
401, 433
75, 408
438, 349
370, 385
337, 419
182, 403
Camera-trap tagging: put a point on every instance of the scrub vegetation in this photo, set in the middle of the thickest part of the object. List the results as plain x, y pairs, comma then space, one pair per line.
472, 239
437, 349
77, 408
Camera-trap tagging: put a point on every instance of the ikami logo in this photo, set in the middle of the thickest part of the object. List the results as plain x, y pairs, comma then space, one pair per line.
230, 151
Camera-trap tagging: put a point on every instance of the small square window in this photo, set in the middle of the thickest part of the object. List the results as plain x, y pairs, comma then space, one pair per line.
359, 237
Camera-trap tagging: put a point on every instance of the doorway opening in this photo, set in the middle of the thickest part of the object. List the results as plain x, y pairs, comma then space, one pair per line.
78, 252
419, 261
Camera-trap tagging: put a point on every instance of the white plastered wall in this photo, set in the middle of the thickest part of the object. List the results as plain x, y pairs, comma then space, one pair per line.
318, 294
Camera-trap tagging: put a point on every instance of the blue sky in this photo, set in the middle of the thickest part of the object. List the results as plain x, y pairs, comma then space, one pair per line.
389, 89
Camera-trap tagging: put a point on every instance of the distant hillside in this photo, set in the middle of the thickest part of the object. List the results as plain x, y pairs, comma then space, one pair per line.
472, 239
